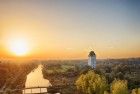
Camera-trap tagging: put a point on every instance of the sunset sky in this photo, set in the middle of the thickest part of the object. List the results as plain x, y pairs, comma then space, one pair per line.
69, 29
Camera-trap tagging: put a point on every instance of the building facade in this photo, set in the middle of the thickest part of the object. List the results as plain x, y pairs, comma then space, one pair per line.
92, 59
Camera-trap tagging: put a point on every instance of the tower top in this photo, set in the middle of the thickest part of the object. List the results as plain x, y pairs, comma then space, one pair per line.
91, 53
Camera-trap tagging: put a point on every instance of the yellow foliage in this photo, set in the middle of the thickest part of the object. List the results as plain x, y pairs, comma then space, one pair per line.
119, 87
136, 91
91, 83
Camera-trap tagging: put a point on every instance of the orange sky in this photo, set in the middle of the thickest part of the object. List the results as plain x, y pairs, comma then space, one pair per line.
69, 30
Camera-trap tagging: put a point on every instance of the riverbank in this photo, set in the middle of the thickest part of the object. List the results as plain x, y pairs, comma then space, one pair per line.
13, 75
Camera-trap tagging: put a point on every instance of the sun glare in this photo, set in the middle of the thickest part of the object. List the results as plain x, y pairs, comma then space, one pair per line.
19, 47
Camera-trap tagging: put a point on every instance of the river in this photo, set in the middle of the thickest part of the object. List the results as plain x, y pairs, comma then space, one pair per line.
35, 79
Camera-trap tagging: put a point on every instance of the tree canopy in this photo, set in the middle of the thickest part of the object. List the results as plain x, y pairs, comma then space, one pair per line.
119, 87
91, 83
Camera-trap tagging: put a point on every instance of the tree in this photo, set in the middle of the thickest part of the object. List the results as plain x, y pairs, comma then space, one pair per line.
119, 87
91, 83
136, 91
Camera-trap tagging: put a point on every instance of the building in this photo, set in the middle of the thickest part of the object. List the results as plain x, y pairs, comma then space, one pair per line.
92, 59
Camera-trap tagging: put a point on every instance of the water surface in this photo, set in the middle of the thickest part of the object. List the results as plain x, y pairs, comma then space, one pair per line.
35, 79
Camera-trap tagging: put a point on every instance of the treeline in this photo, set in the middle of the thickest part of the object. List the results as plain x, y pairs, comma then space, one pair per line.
123, 69
93, 83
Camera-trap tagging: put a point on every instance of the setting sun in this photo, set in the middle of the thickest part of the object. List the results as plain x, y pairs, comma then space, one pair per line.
19, 47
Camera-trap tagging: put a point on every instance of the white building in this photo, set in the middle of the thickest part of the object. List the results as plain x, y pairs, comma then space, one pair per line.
92, 59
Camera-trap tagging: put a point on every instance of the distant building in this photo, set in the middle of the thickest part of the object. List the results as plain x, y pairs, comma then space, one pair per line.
92, 59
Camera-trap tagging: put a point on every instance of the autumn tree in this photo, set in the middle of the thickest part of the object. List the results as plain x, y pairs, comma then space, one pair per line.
119, 87
91, 83
136, 91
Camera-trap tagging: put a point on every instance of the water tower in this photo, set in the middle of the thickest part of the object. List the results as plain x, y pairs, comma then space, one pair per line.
92, 59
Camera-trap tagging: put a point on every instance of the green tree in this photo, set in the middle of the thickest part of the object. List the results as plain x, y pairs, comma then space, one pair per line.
91, 83
119, 87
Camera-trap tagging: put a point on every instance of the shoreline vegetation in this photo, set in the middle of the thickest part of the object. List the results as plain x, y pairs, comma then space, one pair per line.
118, 73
